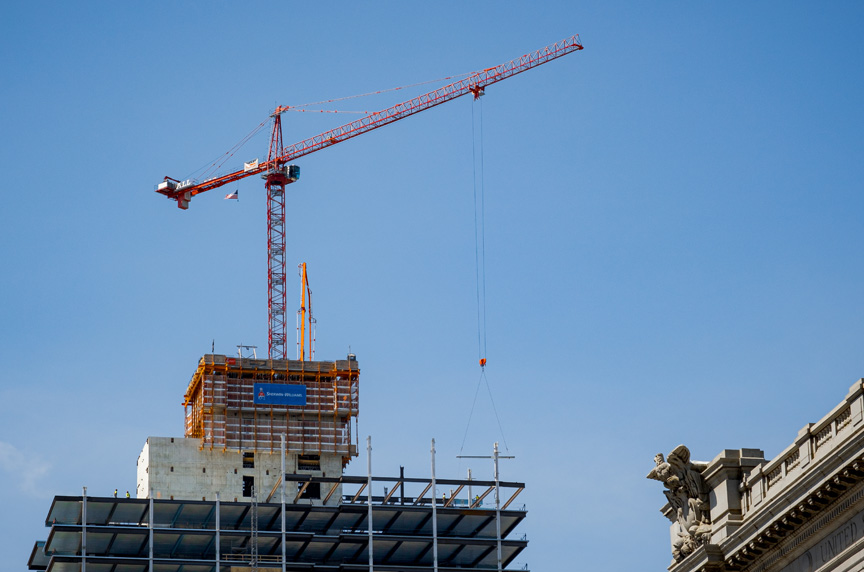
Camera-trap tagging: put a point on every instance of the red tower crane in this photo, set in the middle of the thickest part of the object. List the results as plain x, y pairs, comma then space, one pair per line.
277, 172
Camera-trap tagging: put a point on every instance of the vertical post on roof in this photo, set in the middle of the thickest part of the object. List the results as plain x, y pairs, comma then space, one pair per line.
218, 540
497, 505
369, 496
434, 515
495, 457
470, 495
282, 447
150, 526
254, 520
84, 530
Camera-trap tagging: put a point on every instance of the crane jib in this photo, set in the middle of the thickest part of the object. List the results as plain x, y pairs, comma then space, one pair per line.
183, 191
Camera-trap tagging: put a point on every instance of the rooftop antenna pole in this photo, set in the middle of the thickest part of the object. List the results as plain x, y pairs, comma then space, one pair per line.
470, 496
369, 496
254, 556
495, 457
151, 521
218, 538
434, 515
497, 505
84, 530
282, 447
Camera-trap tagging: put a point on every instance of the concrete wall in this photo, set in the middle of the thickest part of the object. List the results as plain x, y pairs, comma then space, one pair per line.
178, 468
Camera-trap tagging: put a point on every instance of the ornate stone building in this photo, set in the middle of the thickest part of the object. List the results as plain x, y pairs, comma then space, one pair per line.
800, 512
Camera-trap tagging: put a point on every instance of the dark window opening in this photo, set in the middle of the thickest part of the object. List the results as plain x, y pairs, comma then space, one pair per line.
313, 490
248, 460
309, 463
248, 485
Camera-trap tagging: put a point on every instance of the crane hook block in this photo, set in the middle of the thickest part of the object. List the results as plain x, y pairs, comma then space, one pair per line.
483, 362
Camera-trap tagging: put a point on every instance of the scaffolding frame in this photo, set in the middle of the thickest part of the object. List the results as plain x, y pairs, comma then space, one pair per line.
219, 406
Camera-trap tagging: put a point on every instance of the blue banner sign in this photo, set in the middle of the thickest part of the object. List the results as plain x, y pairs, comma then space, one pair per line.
279, 394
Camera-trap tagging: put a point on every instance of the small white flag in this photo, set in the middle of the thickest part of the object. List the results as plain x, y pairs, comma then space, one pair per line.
250, 165
233, 195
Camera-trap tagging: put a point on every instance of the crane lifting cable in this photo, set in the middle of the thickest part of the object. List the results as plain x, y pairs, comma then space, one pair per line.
481, 381
479, 233
479, 188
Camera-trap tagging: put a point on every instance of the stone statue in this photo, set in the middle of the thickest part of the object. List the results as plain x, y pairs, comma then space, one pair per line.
688, 495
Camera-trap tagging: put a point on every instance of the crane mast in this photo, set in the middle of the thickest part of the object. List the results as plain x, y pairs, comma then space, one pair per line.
275, 178
277, 172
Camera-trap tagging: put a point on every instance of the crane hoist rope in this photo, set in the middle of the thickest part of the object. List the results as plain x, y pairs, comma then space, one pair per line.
479, 231
480, 381
479, 188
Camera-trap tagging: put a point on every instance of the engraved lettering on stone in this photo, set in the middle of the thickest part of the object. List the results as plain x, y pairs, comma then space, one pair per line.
687, 493
838, 542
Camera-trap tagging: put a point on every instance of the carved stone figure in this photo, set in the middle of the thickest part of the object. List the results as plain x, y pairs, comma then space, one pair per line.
688, 495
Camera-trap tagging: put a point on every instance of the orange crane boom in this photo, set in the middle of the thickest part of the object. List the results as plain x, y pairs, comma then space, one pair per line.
277, 172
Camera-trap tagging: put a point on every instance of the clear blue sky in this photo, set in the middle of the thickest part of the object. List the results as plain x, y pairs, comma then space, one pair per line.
673, 239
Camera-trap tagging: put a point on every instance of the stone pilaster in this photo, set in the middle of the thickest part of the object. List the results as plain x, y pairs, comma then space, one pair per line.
724, 476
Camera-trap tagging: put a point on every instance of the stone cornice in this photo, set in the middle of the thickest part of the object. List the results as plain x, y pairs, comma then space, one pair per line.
785, 533
764, 514
790, 529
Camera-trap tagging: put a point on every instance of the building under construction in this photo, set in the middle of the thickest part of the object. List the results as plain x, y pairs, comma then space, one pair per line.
237, 410
257, 483
257, 479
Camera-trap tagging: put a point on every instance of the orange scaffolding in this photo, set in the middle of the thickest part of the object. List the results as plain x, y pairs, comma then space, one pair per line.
220, 409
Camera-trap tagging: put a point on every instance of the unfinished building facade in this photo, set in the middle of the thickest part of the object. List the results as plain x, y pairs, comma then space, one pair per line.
230, 497
237, 411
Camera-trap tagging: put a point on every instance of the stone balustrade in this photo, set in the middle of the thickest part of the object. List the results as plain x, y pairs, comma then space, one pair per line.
773, 514
815, 442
